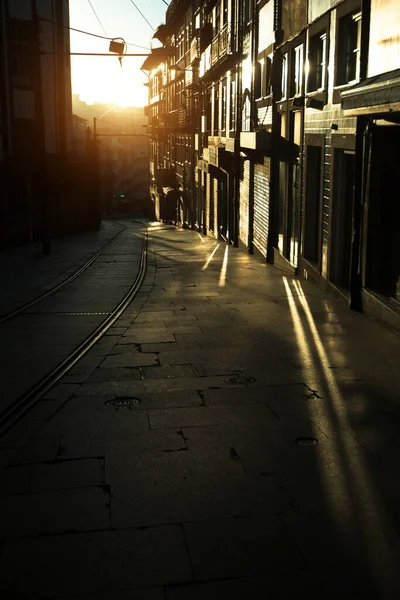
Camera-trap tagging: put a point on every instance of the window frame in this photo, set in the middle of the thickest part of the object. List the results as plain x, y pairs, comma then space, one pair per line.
284, 75
317, 42
348, 48
297, 76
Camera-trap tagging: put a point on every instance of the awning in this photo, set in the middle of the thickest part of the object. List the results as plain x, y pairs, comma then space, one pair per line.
154, 59
374, 94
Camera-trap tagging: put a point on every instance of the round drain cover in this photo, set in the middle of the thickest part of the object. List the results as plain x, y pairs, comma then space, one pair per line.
239, 380
306, 441
122, 401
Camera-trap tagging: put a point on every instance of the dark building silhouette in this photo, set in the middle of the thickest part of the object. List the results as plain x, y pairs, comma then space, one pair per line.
45, 187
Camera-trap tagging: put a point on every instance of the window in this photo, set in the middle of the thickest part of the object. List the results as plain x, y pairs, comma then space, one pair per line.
246, 113
349, 42
216, 109
266, 72
21, 57
284, 70
298, 69
317, 63
232, 113
224, 12
246, 11
262, 77
223, 107
217, 19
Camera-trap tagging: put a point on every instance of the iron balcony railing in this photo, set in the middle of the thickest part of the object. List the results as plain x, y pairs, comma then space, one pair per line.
222, 44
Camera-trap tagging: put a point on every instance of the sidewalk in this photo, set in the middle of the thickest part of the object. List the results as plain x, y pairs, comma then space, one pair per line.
235, 435
26, 273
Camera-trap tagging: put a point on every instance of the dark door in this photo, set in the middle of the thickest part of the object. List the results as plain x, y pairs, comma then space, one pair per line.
383, 250
223, 228
312, 206
342, 215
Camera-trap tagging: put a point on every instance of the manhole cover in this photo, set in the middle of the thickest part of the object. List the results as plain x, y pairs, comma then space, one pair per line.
306, 441
121, 402
239, 380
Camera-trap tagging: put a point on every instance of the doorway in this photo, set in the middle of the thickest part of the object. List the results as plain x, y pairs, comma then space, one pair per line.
342, 217
313, 206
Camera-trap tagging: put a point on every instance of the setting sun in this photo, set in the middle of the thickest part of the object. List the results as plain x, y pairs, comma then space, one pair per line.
98, 79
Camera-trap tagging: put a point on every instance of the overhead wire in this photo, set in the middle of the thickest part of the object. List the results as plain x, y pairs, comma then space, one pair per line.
97, 17
102, 37
138, 9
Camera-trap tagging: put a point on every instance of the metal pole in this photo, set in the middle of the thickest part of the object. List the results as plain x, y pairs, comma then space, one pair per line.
97, 194
40, 130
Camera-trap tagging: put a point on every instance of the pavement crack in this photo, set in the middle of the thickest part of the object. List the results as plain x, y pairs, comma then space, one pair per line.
313, 394
233, 454
184, 438
195, 371
272, 410
188, 551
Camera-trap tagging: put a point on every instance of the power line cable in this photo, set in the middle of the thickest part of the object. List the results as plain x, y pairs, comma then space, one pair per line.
91, 5
102, 37
138, 9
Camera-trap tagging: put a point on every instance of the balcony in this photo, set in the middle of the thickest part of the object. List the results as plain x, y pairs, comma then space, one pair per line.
219, 45
221, 54
195, 49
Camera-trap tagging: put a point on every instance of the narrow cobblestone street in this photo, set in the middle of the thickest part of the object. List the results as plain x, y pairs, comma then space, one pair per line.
235, 434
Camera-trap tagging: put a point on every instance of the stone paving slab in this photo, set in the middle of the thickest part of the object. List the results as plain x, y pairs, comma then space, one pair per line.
134, 359
213, 415
76, 445
137, 594
244, 546
311, 583
200, 485
114, 374
95, 562
57, 475
169, 372
146, 336
167, 346
51, 512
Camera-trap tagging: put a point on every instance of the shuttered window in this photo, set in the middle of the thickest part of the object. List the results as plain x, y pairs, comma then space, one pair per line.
261, 205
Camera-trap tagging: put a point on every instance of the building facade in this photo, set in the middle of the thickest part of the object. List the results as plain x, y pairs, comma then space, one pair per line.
275, 125
46, 188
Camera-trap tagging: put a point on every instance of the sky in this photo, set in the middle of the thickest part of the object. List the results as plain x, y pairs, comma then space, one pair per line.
101, 79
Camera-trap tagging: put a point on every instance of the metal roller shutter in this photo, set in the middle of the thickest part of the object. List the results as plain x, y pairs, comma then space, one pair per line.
261, 206
244, 205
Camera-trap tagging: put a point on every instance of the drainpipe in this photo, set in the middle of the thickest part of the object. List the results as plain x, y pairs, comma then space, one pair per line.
275, 139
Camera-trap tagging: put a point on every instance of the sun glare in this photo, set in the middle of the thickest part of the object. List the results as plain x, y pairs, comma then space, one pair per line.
106, 81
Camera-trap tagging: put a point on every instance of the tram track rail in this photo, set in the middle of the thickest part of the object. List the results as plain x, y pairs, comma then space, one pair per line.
20, 407
21, 309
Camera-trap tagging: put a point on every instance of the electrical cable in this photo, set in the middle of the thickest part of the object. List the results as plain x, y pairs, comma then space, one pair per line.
91, 5
107, 111
138, 9
102, 37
